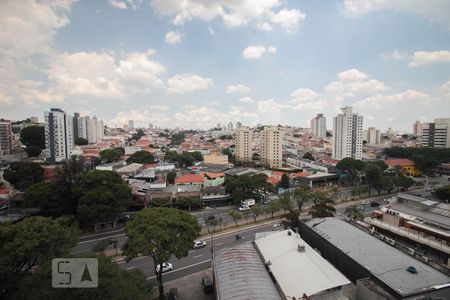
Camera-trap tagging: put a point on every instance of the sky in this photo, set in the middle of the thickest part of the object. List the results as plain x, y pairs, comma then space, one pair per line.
197, 63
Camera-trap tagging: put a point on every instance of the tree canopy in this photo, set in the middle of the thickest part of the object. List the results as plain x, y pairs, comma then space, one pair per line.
244, 187
171, 176
425, 158
185, 159
80, 141
443, 193
139, 133
33, 151
111, 155
23, 174
352, 167
33, 136
177, 138
114, 284
141, 157
160, 233
284, 182
30, 242
309, 156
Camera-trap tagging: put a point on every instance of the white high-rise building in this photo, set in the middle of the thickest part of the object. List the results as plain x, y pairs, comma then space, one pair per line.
90, 129
347, 134
230, 126
130, 125
373, 136
244, 144
319, 126
270, 147
437, 134
59, 139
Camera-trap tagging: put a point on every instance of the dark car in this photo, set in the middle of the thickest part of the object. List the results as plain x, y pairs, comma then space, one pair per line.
173, 294
207, 284
374, 204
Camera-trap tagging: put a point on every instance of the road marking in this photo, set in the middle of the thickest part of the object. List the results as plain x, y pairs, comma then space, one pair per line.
122, 260
103, 238
130, 268
197, 256
196, 264
218, 244
88, 236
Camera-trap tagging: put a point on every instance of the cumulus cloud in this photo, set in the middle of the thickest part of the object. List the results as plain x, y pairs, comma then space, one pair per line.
260, 13
125, 4
396, 55
421, 58
6, 100
257, 51
182, 83
237, 89
173, 37
433, 10
246, 100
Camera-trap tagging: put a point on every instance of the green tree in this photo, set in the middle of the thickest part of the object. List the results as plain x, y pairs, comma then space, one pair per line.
320, 196
114, 284
160, 233
80, 141
352, 167
256, 210
373, 175
354, 213
29, 243
33, 151
177, 138
274, 206
139, 133
322, 209
110, 155
160, 203
98, 178
235, 215
309, 156
301, 196
285, 201
197, 156
387, 183
443, 193
43, 196
23, 174
188, 202
141, 157
284, 182
171, 176
33, 136
246, 214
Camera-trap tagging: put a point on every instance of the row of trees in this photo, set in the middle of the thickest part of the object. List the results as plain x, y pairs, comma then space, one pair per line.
425, 158
33, 138
185, 159
245, 187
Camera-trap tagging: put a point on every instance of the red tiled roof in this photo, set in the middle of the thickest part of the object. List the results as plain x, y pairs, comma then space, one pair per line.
277, 173
214, 175
273, 180
188, 178
399, 162
91, 152
300, 174
148, 166
4, 191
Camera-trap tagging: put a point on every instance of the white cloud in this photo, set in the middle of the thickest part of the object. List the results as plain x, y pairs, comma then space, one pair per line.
289, 19
433, 10
396, 55
211, 31
237, 89
260, 13
246, 100
173, 37
257, 51
378, 102
421, 58
118, 4
183, 83
6, 100
270, 108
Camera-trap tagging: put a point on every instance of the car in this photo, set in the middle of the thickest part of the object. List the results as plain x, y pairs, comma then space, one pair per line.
374, 204
166, 267
242, 208
364, 203
173, 294
207, 284
199, 244
209, 218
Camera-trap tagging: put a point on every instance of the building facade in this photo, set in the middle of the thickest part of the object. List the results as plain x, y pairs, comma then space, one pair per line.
130, 125
436, 134
373, 136
347, 134
5, 137
319, 126
59, 139
418, 127
244, 143
270, 147
87, 128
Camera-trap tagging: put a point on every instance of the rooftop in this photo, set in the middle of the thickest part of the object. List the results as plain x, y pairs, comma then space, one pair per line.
399, 162
241, 275
287, 264
382, 260
187, 178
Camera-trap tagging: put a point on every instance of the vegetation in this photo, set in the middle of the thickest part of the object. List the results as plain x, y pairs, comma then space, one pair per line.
188, 202
177, 138
245, 187
309, 156
302, 195
425, 158
33, 136
235, 215
284, 182
23, 174
185, 159
141, 157
29, 243
111, 155
373, 175
351, 169
285, 202
443, 193
160, 233
354, 213
137, 136
114, 283
80, 141
33, 151
171, 176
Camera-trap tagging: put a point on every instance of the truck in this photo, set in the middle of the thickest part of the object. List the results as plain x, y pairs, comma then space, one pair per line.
248, 203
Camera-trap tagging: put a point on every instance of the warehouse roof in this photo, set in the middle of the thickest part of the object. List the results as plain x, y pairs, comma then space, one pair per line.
382, 260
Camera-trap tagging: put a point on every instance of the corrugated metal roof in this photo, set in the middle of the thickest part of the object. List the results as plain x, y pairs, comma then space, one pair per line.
241, 275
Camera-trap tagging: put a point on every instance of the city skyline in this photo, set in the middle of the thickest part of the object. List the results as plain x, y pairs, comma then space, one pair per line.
193, 66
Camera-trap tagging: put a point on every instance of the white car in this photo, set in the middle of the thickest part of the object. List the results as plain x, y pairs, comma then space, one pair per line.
199, 244
242, 208
166, 267
365, 203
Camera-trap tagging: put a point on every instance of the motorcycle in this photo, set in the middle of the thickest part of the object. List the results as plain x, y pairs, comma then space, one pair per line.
238, 237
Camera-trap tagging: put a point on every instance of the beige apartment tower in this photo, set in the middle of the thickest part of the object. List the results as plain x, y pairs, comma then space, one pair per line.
270, 148
244, 144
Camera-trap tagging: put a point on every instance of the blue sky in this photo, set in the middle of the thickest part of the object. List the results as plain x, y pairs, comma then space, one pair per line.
196, 63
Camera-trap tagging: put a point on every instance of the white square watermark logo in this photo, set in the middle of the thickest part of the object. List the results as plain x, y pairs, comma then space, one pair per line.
74, 272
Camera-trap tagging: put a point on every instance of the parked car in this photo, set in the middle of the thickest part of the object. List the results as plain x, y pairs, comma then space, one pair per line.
242, 208
166, 267
374, 204
173, 294
199, 244
365, 202
207, 284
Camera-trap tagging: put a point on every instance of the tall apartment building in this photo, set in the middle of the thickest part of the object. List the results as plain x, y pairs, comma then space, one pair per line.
418, 127
436, 134
130, 125
75, 120
373, 136
347, 134
270, 146
59, 139
87, 128
5, 137
319, 126
244, 144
